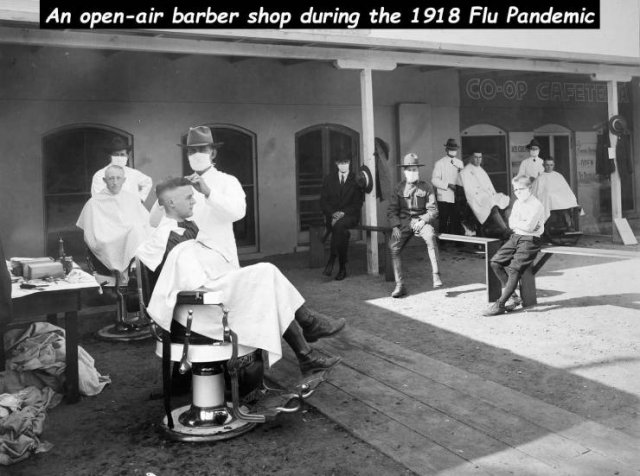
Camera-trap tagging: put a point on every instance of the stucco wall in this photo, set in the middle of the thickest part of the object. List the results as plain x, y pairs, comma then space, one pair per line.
157, 97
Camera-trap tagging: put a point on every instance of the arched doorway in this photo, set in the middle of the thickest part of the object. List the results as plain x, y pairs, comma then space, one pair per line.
555, 141
71, 155
492, 142
237, 157
317, 147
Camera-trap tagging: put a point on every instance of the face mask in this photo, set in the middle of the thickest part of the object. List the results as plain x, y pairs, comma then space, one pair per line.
523, 194
411, 176
200, 161
343, 168
534, 153
452, 153
119, 160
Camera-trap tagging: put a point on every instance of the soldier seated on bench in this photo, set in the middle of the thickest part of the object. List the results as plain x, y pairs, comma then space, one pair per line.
522, 247
557, 198
263, 305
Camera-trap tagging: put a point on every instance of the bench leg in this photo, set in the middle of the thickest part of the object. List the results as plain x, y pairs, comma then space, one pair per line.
316, 247
528, 288
494, 287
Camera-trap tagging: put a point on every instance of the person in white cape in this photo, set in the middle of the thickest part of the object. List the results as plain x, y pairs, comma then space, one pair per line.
114, 223
263, 305
554, 193
483, 199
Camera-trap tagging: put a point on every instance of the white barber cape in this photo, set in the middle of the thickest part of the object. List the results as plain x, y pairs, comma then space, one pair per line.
261, 300
480, 192
554, 192
216, 213
446, 171
136, 182
114, 226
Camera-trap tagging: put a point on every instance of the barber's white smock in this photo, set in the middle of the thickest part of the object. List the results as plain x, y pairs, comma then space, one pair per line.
136, 182
531, 167
527, 217
446, 171
216, 213
554, 192
114, 226
480, 193
260, 299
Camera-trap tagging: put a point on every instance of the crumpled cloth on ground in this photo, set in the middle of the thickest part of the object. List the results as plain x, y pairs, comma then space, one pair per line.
22, 416
36, 356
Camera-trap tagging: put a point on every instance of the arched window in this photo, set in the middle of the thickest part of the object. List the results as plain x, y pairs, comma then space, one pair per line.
237, 157
317, 148
71, 155
492, 142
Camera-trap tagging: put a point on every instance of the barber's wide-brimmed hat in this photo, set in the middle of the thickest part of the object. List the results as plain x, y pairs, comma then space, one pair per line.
117, 143
199, 136
534, 143
364, 179
410, 160
451, 144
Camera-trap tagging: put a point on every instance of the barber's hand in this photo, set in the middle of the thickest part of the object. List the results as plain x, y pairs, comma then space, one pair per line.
452, 187
199, 184
395, 233
417, 225
335, 217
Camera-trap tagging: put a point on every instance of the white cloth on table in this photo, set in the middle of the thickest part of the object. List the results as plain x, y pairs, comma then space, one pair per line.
136, 182
114, 226
554, 192
480, 193
216, 213
445, 172
527, 217
261, 300
531, 167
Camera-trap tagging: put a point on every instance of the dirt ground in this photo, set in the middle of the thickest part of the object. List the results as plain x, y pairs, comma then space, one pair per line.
578, 350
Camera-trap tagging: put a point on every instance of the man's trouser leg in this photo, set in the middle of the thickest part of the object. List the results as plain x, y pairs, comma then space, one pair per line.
396, 246
526, 249
316, 326
502, 258
310, 360
340, 238
428, 234
445, 210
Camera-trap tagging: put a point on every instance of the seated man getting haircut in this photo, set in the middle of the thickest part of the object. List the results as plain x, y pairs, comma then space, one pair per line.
263, 305
115, 223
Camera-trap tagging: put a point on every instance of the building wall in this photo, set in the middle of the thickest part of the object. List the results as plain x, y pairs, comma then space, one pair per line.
157, 97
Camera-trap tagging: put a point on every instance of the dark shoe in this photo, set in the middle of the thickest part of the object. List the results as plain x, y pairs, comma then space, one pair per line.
513, 302
322, 327
314, 362
328, 269
494, 309
342, 273
399, 291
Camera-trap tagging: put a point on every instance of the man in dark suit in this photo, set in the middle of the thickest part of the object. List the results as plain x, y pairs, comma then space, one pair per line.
340, 201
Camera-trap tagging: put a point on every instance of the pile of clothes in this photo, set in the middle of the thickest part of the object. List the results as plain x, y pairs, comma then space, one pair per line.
33, 383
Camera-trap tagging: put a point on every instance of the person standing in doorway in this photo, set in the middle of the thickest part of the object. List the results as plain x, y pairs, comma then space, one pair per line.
445, 179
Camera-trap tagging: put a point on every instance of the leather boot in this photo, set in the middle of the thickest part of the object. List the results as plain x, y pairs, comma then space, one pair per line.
328, 269
310, 360
316, 326
399, 290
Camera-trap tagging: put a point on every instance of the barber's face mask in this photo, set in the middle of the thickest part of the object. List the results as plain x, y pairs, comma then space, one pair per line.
200, 161
411, 175
119, 160
534, 152
452, 153
343, 168
522, 194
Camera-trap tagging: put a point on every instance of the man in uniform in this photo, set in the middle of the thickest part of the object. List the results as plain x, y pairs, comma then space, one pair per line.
341, 201
412, 211
483, 199
531, 166
136, 182
445, 179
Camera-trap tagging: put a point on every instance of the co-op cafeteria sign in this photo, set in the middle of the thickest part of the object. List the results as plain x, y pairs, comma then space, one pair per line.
551, 90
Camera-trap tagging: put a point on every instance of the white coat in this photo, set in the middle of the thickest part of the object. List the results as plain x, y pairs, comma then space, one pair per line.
446, 171
480, 193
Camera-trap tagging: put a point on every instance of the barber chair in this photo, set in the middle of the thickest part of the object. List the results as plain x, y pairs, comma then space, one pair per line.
125, 328
229, 396
560, 232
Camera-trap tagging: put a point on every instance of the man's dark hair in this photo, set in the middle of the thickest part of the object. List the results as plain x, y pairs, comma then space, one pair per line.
170, 184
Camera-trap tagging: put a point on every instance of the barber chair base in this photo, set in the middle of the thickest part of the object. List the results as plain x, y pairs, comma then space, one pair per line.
193, 425
124, 332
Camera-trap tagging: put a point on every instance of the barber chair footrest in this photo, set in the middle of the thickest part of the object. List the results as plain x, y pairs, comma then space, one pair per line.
186, 427
124, 332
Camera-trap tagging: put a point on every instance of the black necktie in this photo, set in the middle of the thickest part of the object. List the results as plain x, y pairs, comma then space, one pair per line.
341, 179
190, 229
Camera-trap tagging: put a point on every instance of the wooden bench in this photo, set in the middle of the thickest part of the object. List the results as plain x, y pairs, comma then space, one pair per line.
528, 279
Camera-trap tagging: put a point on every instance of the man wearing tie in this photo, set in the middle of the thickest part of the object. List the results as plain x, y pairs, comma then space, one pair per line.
341, 200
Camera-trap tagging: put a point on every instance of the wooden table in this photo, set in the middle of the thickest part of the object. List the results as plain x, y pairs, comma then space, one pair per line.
57, 298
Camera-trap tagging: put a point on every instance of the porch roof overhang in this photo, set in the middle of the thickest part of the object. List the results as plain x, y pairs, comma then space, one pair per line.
299, 45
